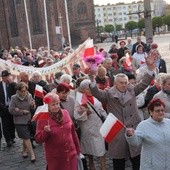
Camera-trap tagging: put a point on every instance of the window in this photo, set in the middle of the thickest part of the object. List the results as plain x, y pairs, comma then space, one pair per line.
18, 1
82, 11
35, 17
12, 19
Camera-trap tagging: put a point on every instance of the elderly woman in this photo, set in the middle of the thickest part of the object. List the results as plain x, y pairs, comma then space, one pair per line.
91, 141
153, 134
59, 136
21, 107
66, 102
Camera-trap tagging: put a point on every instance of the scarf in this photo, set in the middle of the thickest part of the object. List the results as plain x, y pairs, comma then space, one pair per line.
57, 116
90, 99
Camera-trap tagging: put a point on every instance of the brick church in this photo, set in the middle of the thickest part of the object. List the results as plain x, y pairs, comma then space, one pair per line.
13, 25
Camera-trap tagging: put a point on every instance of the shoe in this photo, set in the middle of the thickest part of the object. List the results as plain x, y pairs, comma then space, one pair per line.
13, 141
33, 160
24, 155
9, 144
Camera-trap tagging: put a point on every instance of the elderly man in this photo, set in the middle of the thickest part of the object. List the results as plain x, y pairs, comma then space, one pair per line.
121, 101
7, 89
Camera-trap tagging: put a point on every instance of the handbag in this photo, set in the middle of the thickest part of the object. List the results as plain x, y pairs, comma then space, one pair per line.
80, 163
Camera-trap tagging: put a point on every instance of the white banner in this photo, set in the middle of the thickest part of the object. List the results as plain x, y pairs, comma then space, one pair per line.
48, 73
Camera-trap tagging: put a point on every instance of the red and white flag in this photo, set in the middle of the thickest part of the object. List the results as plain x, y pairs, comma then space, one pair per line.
128, 61
39, 91
41, 113
81, 98
111, 128
89, 48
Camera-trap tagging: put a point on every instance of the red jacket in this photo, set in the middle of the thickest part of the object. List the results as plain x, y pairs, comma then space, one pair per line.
61, 144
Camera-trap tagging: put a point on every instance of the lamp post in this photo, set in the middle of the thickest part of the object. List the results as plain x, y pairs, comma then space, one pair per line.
98, 31
148, 21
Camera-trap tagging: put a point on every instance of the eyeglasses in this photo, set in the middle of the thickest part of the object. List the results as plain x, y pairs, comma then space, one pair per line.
23, 91
159, 110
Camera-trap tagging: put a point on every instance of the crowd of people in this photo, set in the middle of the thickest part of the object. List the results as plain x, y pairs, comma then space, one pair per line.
132, 83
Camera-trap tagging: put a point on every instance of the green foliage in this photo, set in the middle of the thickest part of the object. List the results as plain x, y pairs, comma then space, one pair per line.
141, 23
100, 29
109, 28
118, 27
166, 20
131, 25
157, 22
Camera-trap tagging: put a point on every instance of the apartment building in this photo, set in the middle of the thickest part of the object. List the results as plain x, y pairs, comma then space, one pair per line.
120, 13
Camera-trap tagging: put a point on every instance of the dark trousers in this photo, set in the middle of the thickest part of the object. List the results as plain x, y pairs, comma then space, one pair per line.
0, 132
8, 126
119, 164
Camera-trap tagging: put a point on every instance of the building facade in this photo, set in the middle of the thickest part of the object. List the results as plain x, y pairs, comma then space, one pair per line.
14, 29
120, 13
159, 7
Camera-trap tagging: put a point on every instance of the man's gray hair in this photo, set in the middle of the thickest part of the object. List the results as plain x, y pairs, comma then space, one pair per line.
120, 75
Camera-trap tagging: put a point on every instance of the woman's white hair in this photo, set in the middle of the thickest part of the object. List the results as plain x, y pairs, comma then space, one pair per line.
65, 77
85, 84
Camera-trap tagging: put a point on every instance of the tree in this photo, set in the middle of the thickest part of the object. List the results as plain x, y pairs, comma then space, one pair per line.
100, 29
131, 25
141, 23
109, 28
166, 20
157, 22
118, 27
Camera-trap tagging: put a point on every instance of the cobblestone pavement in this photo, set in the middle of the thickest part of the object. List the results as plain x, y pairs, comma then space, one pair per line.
11, 158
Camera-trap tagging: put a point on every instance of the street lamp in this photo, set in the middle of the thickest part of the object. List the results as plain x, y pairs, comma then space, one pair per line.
98, 32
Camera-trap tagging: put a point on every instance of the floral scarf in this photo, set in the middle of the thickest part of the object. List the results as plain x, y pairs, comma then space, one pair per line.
57, 116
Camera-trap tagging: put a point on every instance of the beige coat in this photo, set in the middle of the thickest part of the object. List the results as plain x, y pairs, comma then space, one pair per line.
91, 141
126, 112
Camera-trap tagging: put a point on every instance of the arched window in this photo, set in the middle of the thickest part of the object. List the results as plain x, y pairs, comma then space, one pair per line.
82, 11
36, 24
12, 19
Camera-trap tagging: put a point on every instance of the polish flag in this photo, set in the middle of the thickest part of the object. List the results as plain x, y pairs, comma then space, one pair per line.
89, 48
111, 128
128, 61
81, 98
39, 91
41, 113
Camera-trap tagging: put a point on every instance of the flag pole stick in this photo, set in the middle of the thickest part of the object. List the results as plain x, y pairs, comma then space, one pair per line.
46, 26
68, 25
28, 25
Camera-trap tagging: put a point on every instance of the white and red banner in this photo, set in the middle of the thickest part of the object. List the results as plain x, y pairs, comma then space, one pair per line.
48, 73
111, 127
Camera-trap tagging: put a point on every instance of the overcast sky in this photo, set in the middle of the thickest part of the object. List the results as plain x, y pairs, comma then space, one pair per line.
104, 2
